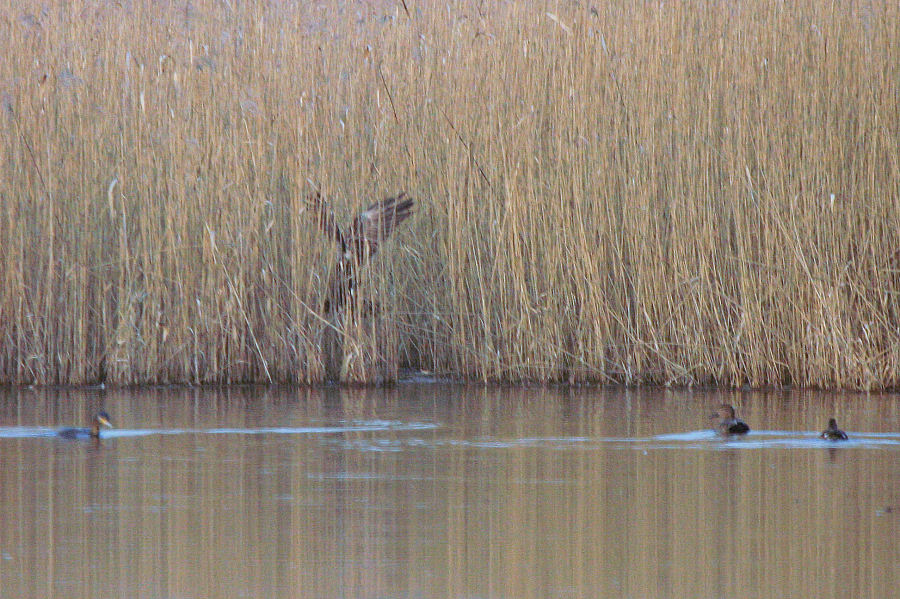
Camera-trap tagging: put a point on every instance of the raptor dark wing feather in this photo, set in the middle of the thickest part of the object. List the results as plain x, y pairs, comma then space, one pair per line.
373, 226
326, 220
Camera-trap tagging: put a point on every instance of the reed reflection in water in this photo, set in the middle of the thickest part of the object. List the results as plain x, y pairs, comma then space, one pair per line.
447, 491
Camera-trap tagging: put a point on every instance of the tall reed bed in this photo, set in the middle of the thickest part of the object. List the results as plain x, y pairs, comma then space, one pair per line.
641, 192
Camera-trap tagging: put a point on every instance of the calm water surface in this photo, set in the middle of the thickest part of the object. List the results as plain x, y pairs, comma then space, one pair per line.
447, 491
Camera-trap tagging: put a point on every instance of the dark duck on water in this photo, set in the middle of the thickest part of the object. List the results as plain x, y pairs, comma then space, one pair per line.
100, 418
833, 433
728, 424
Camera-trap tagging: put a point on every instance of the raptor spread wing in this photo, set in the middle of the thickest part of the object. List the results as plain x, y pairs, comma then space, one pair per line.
325, 219
373, 226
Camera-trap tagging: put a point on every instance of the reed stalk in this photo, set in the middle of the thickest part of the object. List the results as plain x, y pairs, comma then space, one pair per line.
674, 193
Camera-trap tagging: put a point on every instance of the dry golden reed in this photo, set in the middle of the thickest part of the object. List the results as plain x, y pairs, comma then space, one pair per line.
642, 192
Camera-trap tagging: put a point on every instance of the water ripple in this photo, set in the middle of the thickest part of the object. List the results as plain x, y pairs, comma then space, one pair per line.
703, 440
17, 432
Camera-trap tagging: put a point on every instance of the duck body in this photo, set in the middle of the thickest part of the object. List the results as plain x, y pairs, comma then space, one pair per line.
74, 432
101, 418
733, 427
833, 433
729, 424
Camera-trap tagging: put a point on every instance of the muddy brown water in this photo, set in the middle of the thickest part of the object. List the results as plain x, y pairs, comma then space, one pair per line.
433, 490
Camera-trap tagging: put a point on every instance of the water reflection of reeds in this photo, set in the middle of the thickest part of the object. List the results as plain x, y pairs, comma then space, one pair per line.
226, 515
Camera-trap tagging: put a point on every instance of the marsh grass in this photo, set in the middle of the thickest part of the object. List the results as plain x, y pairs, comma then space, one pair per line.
675, 193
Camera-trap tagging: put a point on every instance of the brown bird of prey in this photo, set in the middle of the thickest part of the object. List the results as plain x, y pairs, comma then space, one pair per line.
369, 230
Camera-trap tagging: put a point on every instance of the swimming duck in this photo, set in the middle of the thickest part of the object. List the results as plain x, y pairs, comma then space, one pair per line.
833, 433
355, 247
728, 424
99, 418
